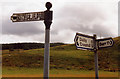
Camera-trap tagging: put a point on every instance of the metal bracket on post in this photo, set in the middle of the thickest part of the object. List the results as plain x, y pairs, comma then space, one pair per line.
47, 22
96, 57
48, 15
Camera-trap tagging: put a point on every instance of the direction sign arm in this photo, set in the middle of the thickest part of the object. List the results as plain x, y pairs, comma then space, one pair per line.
106, 42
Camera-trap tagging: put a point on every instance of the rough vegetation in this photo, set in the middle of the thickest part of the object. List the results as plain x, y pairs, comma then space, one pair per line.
64, 57
26, 46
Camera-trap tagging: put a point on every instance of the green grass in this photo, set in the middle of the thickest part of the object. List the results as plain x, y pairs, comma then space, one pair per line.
35, 71
65, 56
61, 57
22, 71
64, 59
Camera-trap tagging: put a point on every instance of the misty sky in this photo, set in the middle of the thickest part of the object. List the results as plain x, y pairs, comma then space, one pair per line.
87, 17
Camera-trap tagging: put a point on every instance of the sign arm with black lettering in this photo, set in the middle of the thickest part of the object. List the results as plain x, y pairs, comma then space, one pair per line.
91, 43
84, 42
31, 16
104, 43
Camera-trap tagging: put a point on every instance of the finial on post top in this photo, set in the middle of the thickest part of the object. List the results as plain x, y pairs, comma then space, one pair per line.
48, 5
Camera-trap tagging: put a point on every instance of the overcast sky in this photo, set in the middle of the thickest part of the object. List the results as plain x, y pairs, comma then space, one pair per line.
89, 17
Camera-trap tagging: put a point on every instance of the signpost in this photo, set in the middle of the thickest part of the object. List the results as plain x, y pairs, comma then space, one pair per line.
32, 16
84, 41
95, 57
91, 43
47, 22
106, 42
39, 16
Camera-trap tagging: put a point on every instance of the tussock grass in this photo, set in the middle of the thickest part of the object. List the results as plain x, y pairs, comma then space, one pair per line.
64, 57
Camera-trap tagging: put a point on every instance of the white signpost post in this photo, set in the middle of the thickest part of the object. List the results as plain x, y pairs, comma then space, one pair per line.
86, 42
39, 16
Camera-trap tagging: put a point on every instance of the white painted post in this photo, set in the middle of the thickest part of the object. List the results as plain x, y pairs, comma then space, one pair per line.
46, 53
47, 22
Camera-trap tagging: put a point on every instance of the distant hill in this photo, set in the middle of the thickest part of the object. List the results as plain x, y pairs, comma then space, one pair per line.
27, 46
65, 57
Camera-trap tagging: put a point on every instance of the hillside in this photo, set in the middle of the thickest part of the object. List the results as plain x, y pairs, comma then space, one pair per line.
64, 57
109, 57
26, 46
